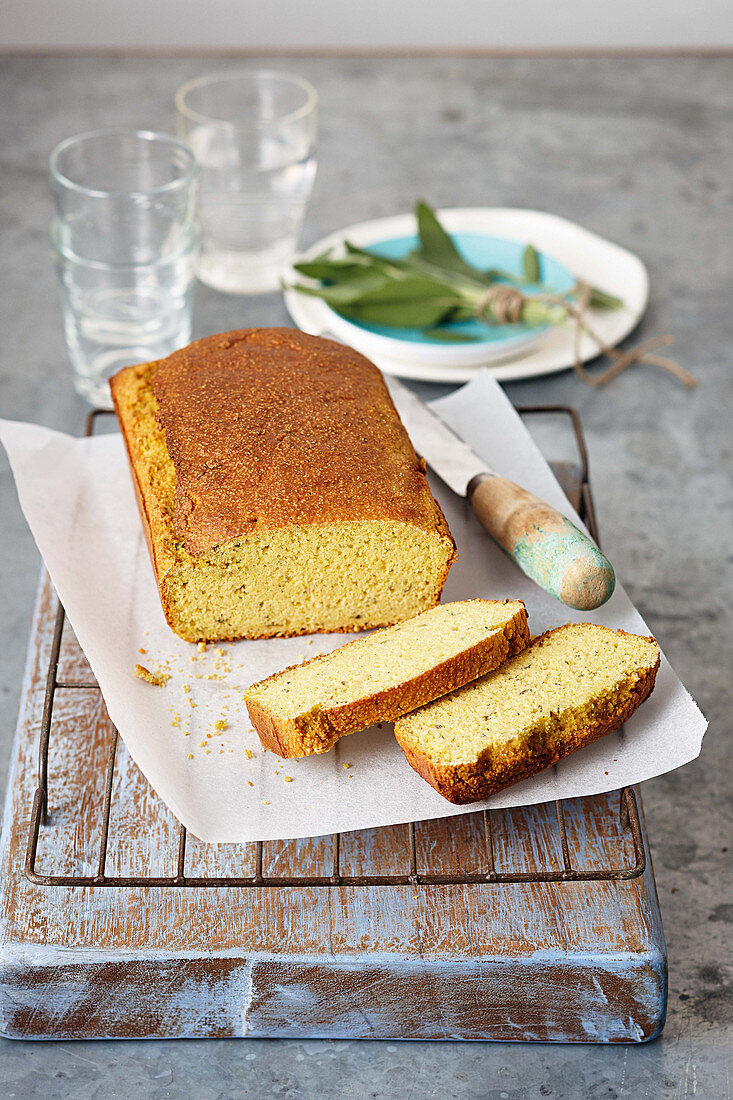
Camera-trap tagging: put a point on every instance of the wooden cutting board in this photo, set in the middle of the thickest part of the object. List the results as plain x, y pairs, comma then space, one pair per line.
566, 961
563, 961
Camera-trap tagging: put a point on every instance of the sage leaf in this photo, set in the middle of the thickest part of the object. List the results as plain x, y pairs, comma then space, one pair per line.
331, 271
354, 250
340, 294
410, 288
412, 303
531, 264
364, 256
406, 314
462, 313
600, 300
436, 246
441, 332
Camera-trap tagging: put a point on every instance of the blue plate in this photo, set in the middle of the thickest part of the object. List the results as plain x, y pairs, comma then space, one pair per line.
483, 252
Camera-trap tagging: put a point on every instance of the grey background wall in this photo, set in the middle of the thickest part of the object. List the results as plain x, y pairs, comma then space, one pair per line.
256, 25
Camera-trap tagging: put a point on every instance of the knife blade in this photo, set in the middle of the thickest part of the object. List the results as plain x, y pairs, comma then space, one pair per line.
453, 460
546, 546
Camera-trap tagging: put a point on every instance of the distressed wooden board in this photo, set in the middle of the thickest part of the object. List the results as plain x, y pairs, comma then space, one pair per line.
570, 961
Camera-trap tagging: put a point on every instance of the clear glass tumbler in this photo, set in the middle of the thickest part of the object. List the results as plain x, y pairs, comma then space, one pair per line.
125, 243
254, 135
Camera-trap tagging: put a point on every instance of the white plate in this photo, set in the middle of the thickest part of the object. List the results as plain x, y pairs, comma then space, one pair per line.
588, 256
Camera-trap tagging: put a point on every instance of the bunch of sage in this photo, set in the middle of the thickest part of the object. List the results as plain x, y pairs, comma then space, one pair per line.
434, 287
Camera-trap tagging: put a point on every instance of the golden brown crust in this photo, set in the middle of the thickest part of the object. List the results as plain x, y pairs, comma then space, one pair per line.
318, 731
462, 784
123, 387
382, 480
274, 735
118, 385
269, 428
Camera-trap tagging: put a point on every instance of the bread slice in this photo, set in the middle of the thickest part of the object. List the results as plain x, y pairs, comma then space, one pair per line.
278, 489
306, 708
570, 686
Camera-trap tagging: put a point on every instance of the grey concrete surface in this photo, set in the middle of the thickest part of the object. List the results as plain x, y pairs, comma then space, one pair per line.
639, 150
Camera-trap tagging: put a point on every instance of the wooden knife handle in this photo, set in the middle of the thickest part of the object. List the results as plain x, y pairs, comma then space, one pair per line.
544, 544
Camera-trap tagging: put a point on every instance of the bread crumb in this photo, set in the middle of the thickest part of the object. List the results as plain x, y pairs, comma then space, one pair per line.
250, 783
176, 720
346, 765
221, 724
144, 673
264, 802
202, 647
186, 688
288, 778
141, 650
203, 744
248, 753
309, 642
189, 756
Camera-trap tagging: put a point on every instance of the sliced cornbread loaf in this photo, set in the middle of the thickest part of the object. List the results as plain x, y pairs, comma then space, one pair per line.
306, 708
279, 491
570, 686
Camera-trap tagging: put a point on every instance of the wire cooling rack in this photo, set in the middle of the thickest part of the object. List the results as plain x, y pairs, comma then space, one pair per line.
573, 476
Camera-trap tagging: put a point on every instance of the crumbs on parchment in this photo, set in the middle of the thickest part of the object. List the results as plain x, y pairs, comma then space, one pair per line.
156, 679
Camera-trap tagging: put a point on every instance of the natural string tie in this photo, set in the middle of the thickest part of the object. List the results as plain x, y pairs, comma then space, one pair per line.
504, 304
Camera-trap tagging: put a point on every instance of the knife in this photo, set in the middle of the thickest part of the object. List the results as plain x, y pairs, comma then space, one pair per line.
545, 545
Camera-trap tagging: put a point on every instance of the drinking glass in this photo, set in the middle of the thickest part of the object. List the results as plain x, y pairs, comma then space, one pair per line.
125, 242
253, 134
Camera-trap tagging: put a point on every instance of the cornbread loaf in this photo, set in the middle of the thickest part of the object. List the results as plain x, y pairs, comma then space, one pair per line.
278, 489
306, 708
570, 686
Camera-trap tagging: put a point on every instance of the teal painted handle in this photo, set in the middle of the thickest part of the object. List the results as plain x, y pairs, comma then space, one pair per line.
544, 544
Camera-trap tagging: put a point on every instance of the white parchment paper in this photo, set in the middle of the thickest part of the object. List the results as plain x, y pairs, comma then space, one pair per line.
78, 499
